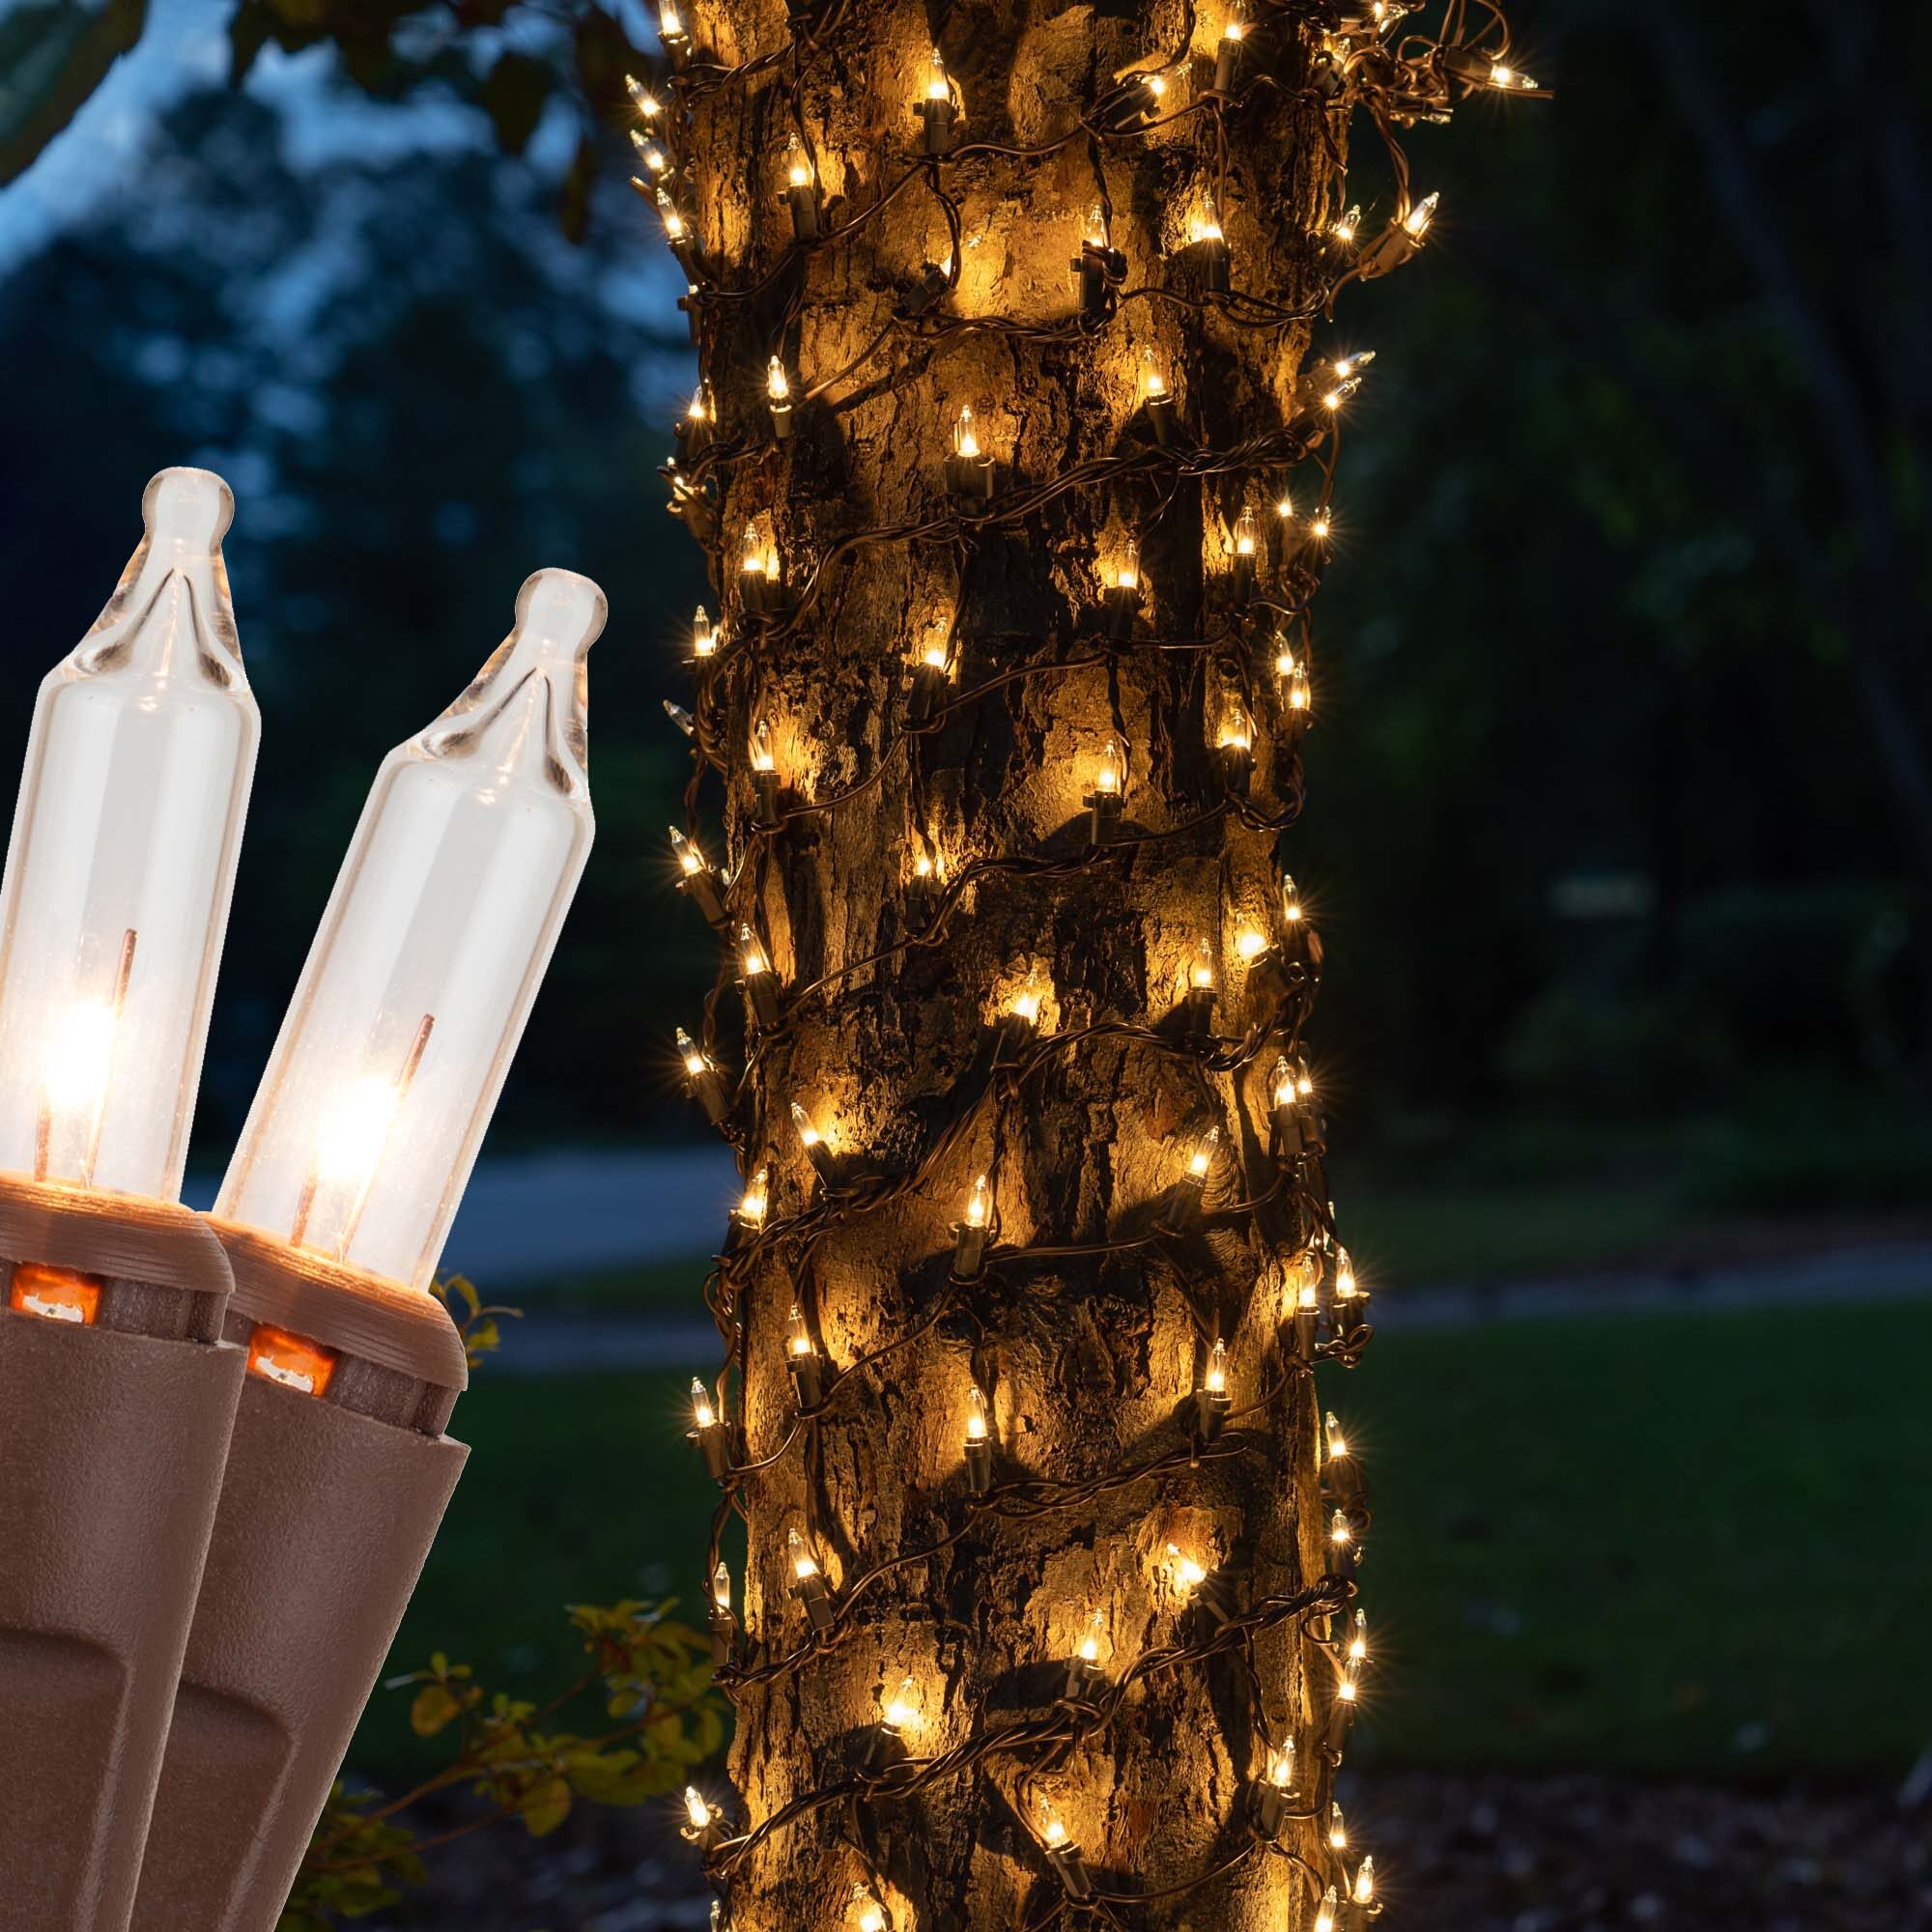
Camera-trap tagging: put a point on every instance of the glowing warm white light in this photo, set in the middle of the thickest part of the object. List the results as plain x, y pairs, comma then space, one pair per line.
703, 639
975, 1415
754, 1200
1338, 1446
797, 170
1509, 77
1217, 1369
871, 1918
721, 1585
694, 1061
807, 1134
754, 564
1090, 1644
935, 657
1337, 1830
1339, 1531
1281, 1765
1245, 535
701, 1405
354, 1130
1345, 1272
1365, 1883
901, 1710
1186, 1569
1026, 1006
1236, 733
1344, 231
751, 954
1203, 1156
966, 436
77, 1061
978, 1203
1108, 778
696, 1808
776, 385
1249, 945
798, 1341
1331, 1904
1127, 571
1201, 975
937, 86
762, 758
1418, 217
803, 1563
1358, 1640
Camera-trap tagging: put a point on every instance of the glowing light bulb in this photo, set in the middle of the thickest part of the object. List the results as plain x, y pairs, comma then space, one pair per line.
1509, 78
803, 1563
1050, 1826
762, 758
669, 215
1245, 535
937, 85
755, 1198
808, 1135
1337, 1830
753, 563
1338, 1446
975, 1415
1188, 1572
1108, 778
1324, 1917
703, 639
901, 1710
1318, 528
1281, 1765
1157, 85
1345, 230
1340, 394
1026, 1006
1249, 945
1283, 1083
1154, 384
1340, 1534
641, 97
122, 861
692, 1055
797, 170
1236, 734
1127, 571
1233, 28
751, 954
1217, 1369
650, 153
1206, 226
696, 1808
1358, 1639
1290, 899
1203, 1156
776, 388
702, 1409
388, 1065
1418, 218
978, 1204
1284, 507
871, 1918
798, 1338
1201, 975
1365, 1883
922, 868
1349, 366
966, 437
1345, 1272
935, 657
1090, 1644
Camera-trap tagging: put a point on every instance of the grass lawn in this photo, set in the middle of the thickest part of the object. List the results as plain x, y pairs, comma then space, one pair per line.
1663, 1544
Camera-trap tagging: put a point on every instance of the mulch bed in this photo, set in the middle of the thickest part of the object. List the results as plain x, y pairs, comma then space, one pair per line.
1489, 1854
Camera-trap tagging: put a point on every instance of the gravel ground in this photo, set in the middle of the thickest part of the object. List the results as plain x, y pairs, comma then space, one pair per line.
1454, 1855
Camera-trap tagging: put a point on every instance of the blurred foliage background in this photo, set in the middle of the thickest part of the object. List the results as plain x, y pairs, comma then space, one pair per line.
1621, 822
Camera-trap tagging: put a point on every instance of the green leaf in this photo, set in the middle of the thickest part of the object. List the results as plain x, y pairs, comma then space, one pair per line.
513, 96
434, 1708
545, 1807
52, 57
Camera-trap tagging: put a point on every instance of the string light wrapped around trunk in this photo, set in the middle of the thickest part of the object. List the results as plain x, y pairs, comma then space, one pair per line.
1244, 658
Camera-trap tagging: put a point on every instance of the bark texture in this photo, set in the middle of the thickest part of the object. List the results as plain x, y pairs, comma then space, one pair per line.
1089, 1345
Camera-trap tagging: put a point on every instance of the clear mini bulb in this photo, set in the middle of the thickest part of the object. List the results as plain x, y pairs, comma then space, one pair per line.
428, 957
122, 862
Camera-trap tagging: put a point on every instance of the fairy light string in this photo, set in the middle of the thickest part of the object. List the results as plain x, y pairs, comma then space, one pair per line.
1248, 1145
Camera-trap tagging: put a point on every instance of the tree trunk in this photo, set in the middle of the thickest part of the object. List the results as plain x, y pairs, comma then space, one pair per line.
1091, 1327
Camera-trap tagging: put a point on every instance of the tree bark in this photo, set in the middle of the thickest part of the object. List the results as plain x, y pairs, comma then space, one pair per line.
1091, 1327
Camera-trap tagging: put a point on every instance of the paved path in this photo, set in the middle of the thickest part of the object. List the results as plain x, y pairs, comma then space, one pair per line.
549, 1343
531, 1220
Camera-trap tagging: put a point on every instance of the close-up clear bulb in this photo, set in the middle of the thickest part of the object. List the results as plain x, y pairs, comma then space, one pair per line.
428, 958
122, 860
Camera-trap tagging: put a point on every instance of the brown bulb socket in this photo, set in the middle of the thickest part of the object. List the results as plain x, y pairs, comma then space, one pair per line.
112, 1434
327, 1509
